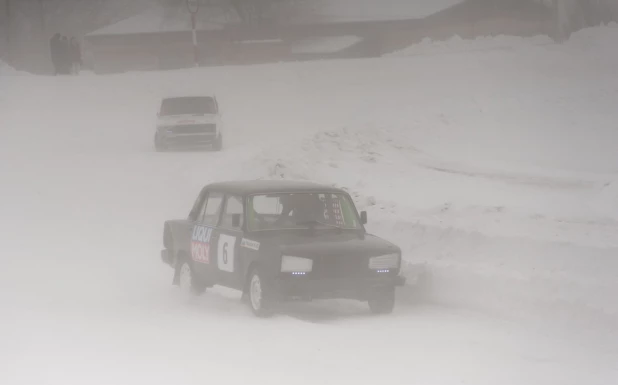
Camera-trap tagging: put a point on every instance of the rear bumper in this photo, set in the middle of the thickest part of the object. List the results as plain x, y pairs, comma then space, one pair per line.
289, 287
184, 141
167, 257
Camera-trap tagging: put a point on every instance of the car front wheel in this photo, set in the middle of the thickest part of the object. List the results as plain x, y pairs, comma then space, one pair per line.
159, 147
258, 297
383, 301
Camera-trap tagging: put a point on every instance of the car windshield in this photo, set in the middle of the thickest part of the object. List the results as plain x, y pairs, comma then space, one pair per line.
188, 105
301, 211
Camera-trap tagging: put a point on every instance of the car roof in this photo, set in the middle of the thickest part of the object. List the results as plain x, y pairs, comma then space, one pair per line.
270, 187
212, 96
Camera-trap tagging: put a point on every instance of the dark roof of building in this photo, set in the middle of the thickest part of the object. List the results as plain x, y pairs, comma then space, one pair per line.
270, 186
217, 16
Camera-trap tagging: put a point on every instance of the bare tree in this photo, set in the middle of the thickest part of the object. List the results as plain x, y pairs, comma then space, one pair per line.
249, 11
573, 15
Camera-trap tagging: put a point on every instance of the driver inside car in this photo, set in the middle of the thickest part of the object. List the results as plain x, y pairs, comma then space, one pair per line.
303, 208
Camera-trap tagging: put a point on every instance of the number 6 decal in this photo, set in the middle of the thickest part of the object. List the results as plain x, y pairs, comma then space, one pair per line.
225, 253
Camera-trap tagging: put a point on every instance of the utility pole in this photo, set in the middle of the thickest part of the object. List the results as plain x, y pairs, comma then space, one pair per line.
560, 20
43, 17
568, 17
7, 30
194, 6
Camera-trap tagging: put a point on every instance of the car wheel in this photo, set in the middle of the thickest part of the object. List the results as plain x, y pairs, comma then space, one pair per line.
218, 144
159, 147
258, 297
188, 283
383, 301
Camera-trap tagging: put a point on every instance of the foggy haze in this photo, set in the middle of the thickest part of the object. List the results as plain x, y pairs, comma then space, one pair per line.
479, 137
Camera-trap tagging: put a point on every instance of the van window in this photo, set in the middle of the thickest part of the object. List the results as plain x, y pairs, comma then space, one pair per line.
188, 105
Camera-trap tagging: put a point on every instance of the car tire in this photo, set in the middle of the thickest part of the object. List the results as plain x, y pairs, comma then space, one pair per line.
258, 296
383, 301
218, 144
188, 283
159, 147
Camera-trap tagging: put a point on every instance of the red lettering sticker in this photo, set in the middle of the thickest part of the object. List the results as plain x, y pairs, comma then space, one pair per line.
200, 244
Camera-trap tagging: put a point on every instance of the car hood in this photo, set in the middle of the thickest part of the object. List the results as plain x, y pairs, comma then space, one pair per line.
331, 244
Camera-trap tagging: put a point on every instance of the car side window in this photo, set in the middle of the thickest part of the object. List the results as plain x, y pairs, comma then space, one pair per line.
212, 209
198, 207
233, 206
269, 205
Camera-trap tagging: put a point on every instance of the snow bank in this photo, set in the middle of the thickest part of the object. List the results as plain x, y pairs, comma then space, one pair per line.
325, 44
7, 70
599, 40
595, 39
482, 43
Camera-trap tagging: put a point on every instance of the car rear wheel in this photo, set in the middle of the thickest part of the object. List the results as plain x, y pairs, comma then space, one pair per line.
383, 301
258, 297
188, 283
218, 144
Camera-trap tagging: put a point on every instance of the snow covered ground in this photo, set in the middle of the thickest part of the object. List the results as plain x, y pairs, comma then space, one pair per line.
495, 170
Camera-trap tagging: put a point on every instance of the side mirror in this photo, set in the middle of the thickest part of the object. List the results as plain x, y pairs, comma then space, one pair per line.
363, 218
235, 220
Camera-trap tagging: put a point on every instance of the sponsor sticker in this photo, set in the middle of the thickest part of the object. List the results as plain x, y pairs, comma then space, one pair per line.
225, 253
200, 244
336, 206
249, 244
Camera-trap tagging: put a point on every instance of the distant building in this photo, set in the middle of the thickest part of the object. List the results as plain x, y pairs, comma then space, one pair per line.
317, 29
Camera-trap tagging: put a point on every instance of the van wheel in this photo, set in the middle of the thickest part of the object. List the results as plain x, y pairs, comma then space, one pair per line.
159, 147
383, 301
258, 295
218, 144
187, 281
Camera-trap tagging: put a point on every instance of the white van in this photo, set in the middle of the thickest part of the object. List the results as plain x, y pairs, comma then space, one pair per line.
189, 122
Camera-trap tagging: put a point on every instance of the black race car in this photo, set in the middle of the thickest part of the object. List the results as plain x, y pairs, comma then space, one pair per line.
281, 240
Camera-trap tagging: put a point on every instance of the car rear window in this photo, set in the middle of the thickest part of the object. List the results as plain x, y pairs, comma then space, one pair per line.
188, 105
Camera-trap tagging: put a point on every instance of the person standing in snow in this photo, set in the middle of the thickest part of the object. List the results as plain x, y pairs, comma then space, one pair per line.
54, 44
64, 56
76, 56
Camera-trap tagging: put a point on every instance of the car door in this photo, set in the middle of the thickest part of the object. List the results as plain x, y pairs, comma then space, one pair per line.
204, 237
228, 243
183, 236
